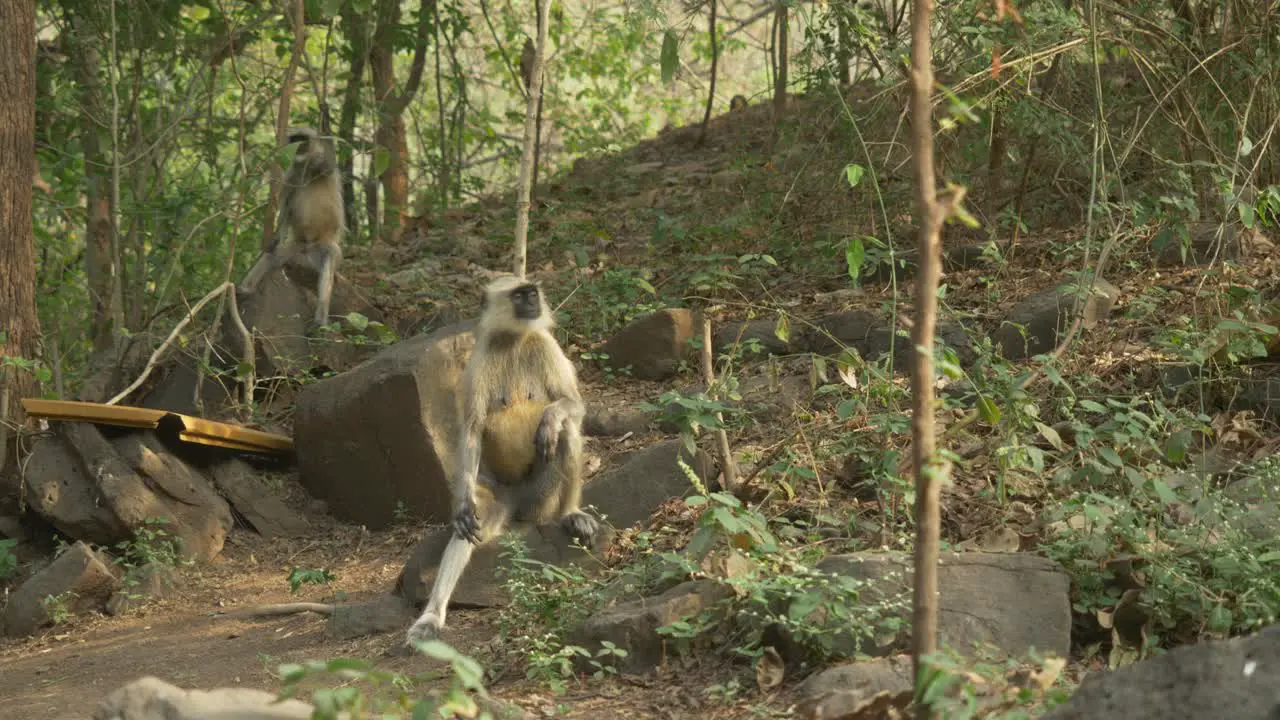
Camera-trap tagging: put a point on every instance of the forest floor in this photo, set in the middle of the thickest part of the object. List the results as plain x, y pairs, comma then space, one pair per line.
685, 220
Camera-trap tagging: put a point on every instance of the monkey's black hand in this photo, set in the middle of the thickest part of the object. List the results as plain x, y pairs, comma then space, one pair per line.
547, 436
466, 524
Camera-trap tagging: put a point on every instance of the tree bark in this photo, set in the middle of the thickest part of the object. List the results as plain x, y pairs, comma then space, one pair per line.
19, 324
715, 60
356, 27
297, 19
783, 52
101, 274
929, 218
391, 106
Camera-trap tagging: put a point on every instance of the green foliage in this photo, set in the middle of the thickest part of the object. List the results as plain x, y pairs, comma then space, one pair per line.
8, 560
692, 413
58, 607
956, 687
363, 689
308, 576
151, 545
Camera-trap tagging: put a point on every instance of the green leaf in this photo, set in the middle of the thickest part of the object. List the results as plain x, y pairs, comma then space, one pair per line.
381, 160
1269, 557
1175, 448
1246, 212
853, 173
1219, 619
357, 321
854, 254
291, 672
988, 411
644, 285
1246, 146
1111, 456
670, 58
1092, 406
783, 328
1163, 491
1052, 436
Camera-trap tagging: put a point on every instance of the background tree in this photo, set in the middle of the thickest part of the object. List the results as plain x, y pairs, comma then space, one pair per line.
19, 325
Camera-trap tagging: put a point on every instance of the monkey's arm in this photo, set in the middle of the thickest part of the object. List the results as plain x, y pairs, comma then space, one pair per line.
566, 403
465, 522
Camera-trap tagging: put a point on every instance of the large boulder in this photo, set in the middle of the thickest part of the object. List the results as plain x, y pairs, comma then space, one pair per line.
79, 577
1237, 678
633, 626
653, 346
102, 491
264, 510
1009, 602
623, 496
381, 436
1046, 316
279, 315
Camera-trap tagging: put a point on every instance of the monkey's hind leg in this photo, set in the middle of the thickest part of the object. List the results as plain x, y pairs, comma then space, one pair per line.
559, 480
325, 257
495, 512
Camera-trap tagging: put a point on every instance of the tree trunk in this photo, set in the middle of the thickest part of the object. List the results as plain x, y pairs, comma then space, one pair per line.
391, 106
298, 21
101, 274
19, 324
783, 51
357, 28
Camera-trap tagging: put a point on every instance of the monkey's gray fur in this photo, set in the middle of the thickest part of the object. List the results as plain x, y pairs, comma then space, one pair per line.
311, 218
520, 445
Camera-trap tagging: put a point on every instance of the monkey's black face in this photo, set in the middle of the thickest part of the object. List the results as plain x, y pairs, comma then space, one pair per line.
526, 303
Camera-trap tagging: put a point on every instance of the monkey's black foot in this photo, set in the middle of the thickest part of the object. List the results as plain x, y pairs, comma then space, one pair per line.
424, 628
465, 523
581, 526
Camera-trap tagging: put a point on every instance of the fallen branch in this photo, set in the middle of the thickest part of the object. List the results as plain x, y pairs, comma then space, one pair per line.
279, 609
154, 360
727, 466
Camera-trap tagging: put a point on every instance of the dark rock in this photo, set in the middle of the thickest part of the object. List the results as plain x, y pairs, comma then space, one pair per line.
633, 626
629, 493
1201, 245
382, 614
149, 582
59, 490
1011, 602
1237, 678
834, 332
175, 391
279, 315
1047, 315
762, 332
161, 486
654, 345
836, 692
84, 578
102, 491
382, 434
602, 421
263, 509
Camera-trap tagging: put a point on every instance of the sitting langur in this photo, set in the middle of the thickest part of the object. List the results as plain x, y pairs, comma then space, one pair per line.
311, 214
520, 446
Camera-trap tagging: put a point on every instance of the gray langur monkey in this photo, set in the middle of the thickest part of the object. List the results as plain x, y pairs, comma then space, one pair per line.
311, 216
737, 102
520, 440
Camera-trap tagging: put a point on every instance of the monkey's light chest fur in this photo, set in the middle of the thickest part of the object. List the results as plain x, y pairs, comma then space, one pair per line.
314, 217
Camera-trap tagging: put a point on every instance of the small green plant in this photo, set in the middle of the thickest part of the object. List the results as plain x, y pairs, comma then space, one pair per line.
692, 413
308, 576
459, 699
957, 688
401, 513
610, 372
151, 545
8, 561
58, 607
